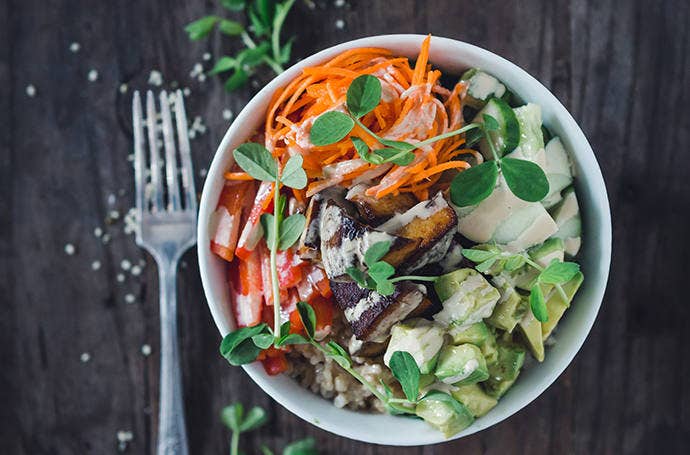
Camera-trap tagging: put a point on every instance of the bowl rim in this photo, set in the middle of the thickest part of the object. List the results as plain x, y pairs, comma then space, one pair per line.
603, 238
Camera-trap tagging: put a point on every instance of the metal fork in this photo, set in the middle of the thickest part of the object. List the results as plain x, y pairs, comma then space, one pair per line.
166, 208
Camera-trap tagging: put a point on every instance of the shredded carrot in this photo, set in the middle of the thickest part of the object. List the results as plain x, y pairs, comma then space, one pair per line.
237, 176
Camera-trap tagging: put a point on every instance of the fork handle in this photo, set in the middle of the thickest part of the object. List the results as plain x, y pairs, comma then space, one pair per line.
172, 435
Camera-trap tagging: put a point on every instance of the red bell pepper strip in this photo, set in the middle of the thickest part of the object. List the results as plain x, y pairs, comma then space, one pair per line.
245, 290
274, 361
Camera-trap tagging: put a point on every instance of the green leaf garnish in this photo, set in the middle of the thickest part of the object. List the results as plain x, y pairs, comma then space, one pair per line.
363, 95
400, 146
256, 161
200, 28
478, 255
330, 128
490, 123
358, 276
381, 271
405, 370
363, 151
238, 347
290, 230
263, 340
233, 5
230, 28
303, 447
525, 179
559, 272
238, 79
537, 303
339, 354
255, 418
267, 224
222, 65
395, 156
293, 174
308, 317
253, 56
232, 416
473, 185
376, 252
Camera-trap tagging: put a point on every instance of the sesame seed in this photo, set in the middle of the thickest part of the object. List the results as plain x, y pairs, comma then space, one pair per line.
114, 215
98, 232
105, 239
155, 78
120, 277
339, 3
111, 199
227, 114
202, 172
69, 249
92, 76
340, 24
74, 47
125, 264
186, 91
136, 270
30, 91
255, 83
123, 438
130, 157
206, 56
123, 88
85, 357
95, 265
129, 298
142, 263
146, 350
174, 84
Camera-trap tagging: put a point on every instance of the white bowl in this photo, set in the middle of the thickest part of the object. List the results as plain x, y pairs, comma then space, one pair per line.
452, 57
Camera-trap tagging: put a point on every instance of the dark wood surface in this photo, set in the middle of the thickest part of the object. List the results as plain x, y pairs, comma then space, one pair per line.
621, 67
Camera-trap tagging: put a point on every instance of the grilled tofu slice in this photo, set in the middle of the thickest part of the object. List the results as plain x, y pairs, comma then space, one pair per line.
309, 246
432, 222
344, 240
375, 211
370, 314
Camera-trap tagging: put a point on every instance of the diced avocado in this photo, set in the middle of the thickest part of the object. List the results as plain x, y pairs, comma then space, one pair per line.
551, 249
461, 365
504, 372
557, 169
567, 217
444, 412
482, 86
555, 306
531, 136
476, 334
475, 399
530, 329
425, 380
510, 308
467, 298
507, 136
490, 347
421, 338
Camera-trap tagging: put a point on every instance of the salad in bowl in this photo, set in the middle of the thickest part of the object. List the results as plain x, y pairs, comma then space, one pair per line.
397, 239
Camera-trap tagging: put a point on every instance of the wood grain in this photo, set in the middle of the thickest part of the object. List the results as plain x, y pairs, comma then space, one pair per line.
621, 67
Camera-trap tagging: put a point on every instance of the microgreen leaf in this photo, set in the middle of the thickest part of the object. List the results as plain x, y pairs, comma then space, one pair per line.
405, 370
239, 348
293, 174
559, 272
381, 271
233, 5
515, 262
537, 303
222, 65
339, 354
358, 276
263, 340
255, 418
232, 416
399, 157
302, 447
200, 28
490, 123
477, 255
473, 185
473, 136
230, 28
308, 317
376, 252
385, 287
286, 51
267, 225
363, 95
330, 128
525, 179
400, 146
484, 266
253, 56
266, 10
265, 450
290, 230
237, 80
291, 338
363, 151
256, 161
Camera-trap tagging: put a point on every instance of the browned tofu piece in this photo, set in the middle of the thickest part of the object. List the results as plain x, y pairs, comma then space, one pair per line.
433, 223
344, 241
310, 242
370, 314
375, 211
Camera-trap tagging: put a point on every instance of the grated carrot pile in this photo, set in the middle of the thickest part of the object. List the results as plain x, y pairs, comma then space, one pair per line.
414, 107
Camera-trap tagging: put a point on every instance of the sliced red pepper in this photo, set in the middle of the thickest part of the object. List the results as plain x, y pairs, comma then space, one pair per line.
274, 361
227, 218
289, 267
266, 276
251, 233
245, 290
323, 309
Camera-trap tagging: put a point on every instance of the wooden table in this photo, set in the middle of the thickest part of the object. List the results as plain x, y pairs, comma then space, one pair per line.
622, 68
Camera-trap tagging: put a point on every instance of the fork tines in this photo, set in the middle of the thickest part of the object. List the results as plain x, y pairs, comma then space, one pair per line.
162, 183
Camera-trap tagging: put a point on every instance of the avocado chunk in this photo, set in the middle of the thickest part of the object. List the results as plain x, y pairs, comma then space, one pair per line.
467, 298
461, 365
421, 338
557, 169
476, 334
531, 137
510, 308
530, 330
555, 306
567, 217
444, 412
475, 399
543, 254
504, 372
